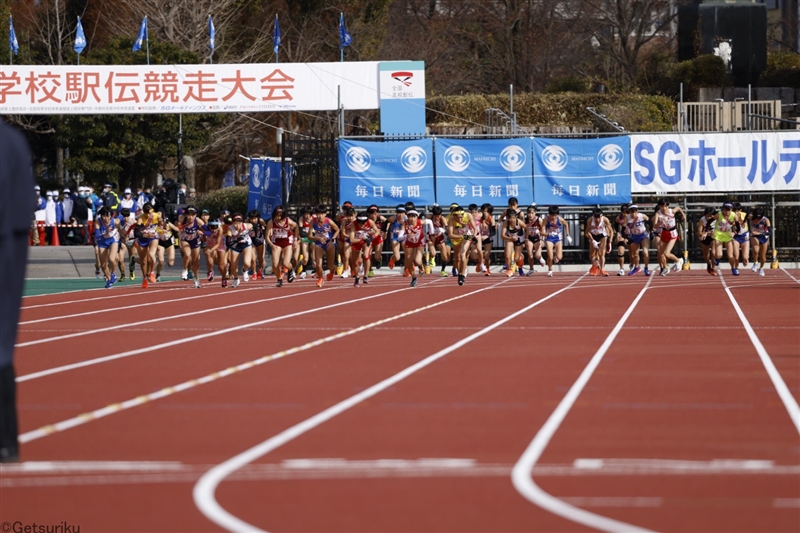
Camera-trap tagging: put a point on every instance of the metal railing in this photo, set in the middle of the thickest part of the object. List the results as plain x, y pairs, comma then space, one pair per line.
738, 115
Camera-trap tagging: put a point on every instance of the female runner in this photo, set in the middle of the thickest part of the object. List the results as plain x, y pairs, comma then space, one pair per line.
323, 234
205, 219
377, 243
638, 237
760, 228
598, 232
667, 229
258, 228
621, 237
461, 228
362, 231
147, 241
533, 226
741, 241
439, 229
552, 226
727, 226
239, 243
166, 241
281, 234
189, 240
513, 236
303, 253
413, 245
705, 234
343, 244
396, 233
106, 237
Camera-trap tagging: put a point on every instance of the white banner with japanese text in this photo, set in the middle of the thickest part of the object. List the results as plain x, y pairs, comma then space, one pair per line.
715, 162
125, 89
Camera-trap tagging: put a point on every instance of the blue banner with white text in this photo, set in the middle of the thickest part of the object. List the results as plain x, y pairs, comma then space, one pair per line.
582, 171
386, 173
265, 186
477, 171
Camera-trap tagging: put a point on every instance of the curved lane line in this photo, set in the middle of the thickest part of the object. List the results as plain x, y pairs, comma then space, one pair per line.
522, 473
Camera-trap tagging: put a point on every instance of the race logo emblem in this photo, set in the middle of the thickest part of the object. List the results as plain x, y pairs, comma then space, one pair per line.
610, 157
358, 159
554, 158
512, 158
256, 177
403, 77
414, 159
456, 158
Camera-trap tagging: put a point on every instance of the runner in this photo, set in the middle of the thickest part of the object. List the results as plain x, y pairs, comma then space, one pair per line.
377, 243
439, 241
638, 238
461, 229
281, 234
258, 227
345, 223
664, 223
396, 233
323, 234
533, 226
189, 240
760, 228
239, 243
705, 234
414, 244
513, 235
166, 241
726, 228
147, 241
598, 232
488, 229
621, 237
362, 231
106, 235
741, 241
303, 249
205, 220
125, 223
552, 226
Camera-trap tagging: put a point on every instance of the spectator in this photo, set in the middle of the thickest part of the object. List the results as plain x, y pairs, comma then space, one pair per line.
97, 203
80, 212
182, 194
73, 234
128, 201
50, 215
38, 215
67, 205
110, 198
192, 197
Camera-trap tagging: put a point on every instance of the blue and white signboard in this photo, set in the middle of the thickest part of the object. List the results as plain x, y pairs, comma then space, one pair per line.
715, 162
386, 173
581, 171
265, 186
483, 171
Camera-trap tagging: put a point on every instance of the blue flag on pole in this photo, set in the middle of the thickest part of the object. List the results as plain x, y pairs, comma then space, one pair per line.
276, 37
13, 44
80, 38
142, 37
212, 33
344, 37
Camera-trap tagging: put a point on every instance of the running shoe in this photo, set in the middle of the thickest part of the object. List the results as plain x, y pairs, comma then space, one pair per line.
413, 282
391, 262
191, 275
603, 273
197, 284
291, 276
634, 271
224, 283
716, 262
346, 274
444, 273
709, 268
679, 265
487, 273
461, 279
621, 272
530, 273
152, 277
755, 267
121, 277
303, 275
280, 283
360, 271
108, 284
478, 267
184, 274
158, 278
432, 262
210, 276
521, 271
319, 282
371, 273
646, 271
245, 276
364, 279
594, 270
455, 272
144, 283
235, 282
97, 273
761, 272
259, 275
509, 273
664, 272
330, 275
549, 273
355, 283
113, 279
133, 275
734, 271
406, 273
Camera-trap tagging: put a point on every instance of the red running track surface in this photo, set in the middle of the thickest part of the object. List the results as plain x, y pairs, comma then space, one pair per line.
679, 428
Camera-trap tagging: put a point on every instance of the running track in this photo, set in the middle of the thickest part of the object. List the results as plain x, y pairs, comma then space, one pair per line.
641, 404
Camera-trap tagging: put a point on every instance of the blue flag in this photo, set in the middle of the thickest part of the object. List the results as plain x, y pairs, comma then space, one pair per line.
142, 37
12, 36
276, 37
212, 33
344, 38
80, 38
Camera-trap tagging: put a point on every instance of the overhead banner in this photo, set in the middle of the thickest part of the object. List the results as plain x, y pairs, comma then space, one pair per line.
265, 186
386, 173
581, 171
715, 162
483, 171
125, 89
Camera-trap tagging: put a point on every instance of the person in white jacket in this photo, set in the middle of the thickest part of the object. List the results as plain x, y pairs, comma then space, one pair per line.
50, 215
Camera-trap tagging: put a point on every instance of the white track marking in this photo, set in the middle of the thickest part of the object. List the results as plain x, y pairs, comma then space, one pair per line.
162, 319
613, 501
57, 467
110, 297
522, 474
204, 497
179, 342
169, 391
787, 273
134, 306
785, 395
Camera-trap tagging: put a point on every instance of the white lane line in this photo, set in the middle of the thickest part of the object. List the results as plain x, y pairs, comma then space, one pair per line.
57, 467
521, 475
70, 302
179, 342
162, 319
613, 501
786, 503
203, 493
787, 273
785, 395
186, 385
134, 306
